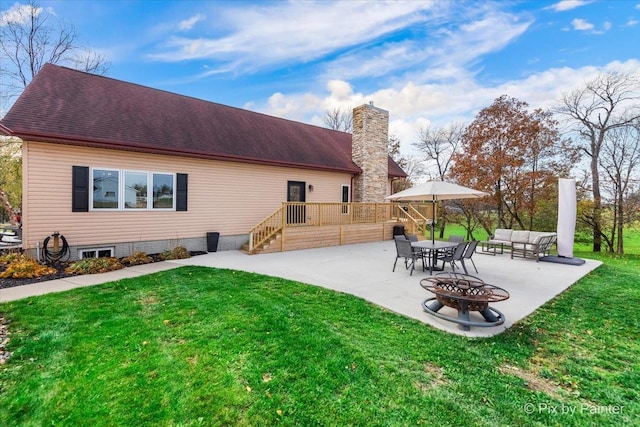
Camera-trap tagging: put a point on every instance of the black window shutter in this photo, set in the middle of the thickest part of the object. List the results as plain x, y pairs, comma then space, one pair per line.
80, 191
181, 193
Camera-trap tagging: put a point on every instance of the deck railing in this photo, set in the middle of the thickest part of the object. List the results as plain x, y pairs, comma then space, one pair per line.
265, 230
318, 214
298, 214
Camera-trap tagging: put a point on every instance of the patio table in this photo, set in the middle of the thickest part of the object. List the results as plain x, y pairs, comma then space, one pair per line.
432, 248
464, 293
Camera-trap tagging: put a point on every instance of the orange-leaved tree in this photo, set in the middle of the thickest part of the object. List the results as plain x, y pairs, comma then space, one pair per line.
510, 153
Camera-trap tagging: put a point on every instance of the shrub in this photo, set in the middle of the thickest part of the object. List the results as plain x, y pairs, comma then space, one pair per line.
179, 252
94, 265
24, 267
8, 258
137, 259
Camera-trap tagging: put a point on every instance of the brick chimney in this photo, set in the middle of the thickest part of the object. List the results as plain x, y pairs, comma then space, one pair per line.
369, 151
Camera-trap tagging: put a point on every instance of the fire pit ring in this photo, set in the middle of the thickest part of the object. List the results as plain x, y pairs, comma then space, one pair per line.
465, 294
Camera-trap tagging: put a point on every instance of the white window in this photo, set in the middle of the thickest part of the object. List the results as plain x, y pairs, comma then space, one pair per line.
95, 252
105, 189
129, 190
163, 185
135, 190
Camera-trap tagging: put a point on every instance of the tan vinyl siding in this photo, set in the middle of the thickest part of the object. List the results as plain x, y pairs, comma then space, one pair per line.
227, 197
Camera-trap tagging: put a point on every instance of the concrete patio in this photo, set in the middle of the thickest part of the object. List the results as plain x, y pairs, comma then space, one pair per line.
364, 270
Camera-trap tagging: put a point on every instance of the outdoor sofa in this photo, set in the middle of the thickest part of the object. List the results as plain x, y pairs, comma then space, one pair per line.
522, 243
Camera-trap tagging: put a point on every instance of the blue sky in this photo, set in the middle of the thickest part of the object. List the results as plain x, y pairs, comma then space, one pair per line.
424, 61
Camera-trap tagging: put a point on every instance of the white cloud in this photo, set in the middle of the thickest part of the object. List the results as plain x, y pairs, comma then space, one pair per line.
437, 55
581, 25
188, 24
632, 23
413, 105
564, 5
377, 61
300, 31
18, 14
340, 89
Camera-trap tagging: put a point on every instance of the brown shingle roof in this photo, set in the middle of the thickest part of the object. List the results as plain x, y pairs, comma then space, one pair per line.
73, 107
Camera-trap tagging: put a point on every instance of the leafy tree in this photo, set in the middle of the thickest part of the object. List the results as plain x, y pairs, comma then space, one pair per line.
546, 157
10, 178
608, 102
507, 151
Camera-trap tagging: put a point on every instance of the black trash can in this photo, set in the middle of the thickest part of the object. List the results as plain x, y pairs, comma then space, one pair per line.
398, 230
212, 241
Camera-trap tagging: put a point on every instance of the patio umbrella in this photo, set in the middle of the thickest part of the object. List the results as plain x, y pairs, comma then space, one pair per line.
434, 191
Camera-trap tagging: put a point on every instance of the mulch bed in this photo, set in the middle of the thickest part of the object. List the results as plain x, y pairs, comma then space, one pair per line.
60, 273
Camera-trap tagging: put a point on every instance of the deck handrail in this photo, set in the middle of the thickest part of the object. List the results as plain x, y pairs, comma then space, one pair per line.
415, 222
266, 229
403, 215
420, 225
304, 214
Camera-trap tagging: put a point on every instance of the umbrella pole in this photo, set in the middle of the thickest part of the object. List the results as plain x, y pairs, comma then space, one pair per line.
433, 218
432, 234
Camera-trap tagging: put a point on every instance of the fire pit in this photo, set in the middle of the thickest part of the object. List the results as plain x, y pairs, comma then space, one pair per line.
464, 293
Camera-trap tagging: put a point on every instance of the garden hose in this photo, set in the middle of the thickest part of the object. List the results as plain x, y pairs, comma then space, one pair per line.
58, 253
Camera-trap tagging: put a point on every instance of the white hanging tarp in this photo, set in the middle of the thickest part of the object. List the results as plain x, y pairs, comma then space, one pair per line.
567, 209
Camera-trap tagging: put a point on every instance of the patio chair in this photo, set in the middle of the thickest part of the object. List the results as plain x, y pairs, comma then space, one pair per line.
404, 250
468, 253
418, 251
412, 237
452, 238
457, 255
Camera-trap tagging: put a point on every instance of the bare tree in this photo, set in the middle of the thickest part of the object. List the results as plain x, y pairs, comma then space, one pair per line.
31, 36
605, 103
339, 119
438, 144
620, 161
410, 164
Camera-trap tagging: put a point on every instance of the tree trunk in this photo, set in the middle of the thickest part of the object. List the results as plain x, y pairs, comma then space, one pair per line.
499, 197
620, 247
532, 204
597, 205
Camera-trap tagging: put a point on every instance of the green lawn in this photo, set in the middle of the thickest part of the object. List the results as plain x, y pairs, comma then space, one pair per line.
198, 346
631, 238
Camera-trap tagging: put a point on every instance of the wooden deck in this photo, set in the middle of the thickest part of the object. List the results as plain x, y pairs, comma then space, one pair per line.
313, 225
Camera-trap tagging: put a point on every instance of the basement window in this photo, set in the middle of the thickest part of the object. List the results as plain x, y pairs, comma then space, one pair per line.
95, 253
